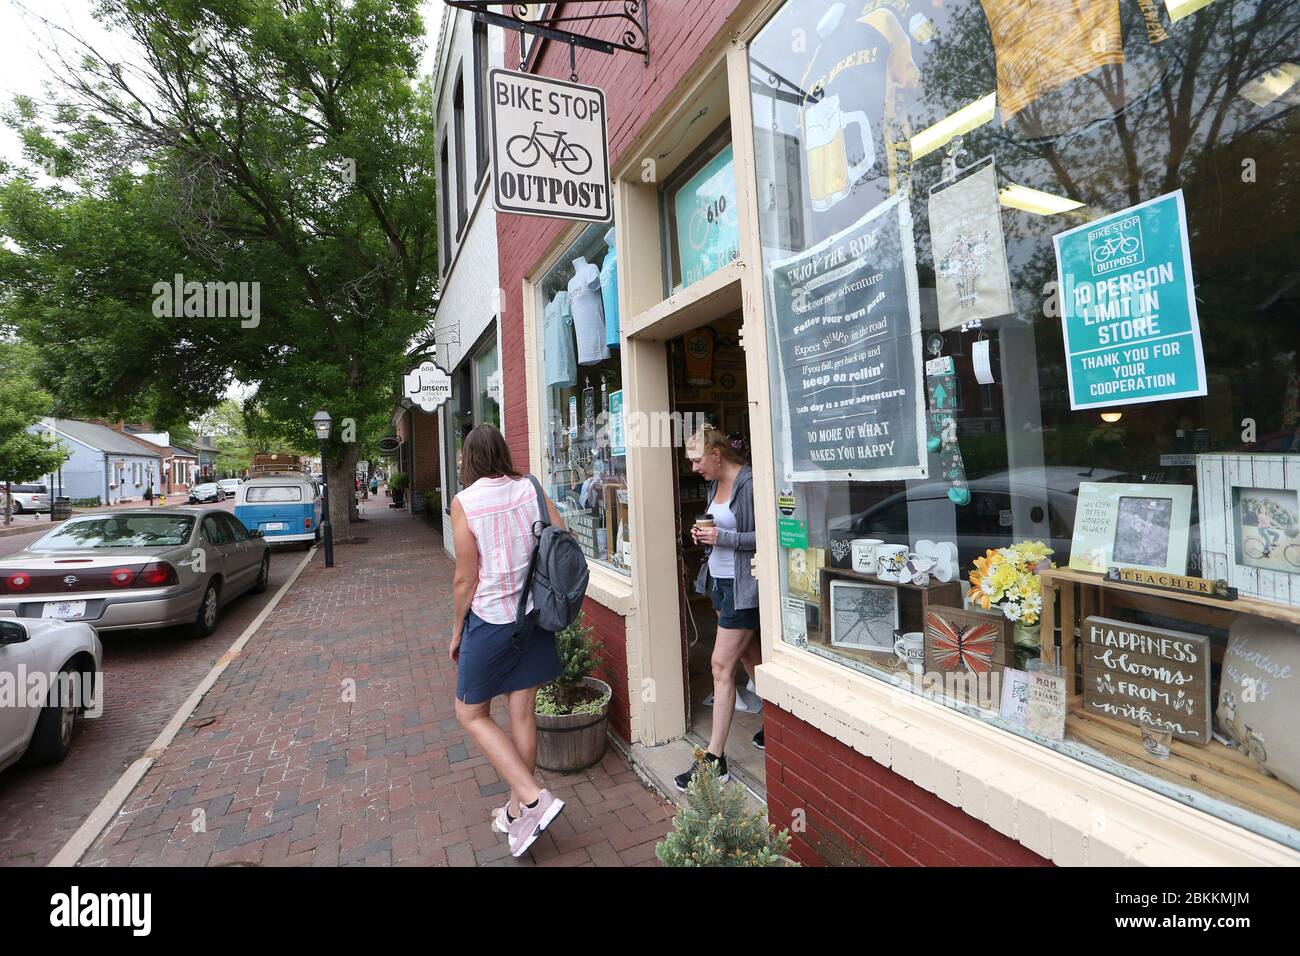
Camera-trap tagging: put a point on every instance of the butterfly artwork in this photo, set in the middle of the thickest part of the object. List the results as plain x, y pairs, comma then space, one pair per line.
964, 641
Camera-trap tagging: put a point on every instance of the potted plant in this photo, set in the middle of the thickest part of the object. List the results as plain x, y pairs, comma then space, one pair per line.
1007, 579
715, 828
573, 709
397, 485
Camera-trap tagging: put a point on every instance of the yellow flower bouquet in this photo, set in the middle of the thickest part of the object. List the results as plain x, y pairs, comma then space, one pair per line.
1007, 579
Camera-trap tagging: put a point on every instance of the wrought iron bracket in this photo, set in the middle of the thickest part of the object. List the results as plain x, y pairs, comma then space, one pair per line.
633, 21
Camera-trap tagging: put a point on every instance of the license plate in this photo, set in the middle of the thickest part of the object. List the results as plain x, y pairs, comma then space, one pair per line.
66, 610
274, 526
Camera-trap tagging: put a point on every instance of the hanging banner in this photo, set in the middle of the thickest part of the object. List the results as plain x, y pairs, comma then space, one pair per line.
1043, 44
427, 386
550, 148
1128, 311
848, 321
971, 276
708, 234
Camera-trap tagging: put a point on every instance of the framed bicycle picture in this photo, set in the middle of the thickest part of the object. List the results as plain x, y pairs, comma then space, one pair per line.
864, 616
1250, 523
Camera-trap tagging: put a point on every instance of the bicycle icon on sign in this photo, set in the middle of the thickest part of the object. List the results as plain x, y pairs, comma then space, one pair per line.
526, 151
1123, 245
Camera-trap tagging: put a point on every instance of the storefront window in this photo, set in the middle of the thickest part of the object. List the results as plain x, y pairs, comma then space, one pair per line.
700, 213
475, 399
582, 386
1031, 301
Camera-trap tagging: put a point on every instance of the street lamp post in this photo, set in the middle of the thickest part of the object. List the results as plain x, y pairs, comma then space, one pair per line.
321, 421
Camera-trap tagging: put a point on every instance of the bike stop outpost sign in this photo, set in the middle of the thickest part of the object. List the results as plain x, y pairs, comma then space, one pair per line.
550, 149
427, 386
1128, 311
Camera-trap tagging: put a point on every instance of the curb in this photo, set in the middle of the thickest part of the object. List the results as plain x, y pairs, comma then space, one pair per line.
108, 807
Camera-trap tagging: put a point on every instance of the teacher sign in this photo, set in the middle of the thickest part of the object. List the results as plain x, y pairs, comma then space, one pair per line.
1128, 311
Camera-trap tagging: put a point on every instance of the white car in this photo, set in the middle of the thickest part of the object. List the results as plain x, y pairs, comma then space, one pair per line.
27, 498
54, 670
229, 486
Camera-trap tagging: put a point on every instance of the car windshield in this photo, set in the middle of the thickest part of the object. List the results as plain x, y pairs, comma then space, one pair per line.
118, 531
274, 493
204, 487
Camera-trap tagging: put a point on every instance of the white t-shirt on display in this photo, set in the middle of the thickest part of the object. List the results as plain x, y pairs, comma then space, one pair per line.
588, 312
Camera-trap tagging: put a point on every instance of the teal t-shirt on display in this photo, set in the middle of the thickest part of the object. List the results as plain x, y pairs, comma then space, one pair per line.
609, 292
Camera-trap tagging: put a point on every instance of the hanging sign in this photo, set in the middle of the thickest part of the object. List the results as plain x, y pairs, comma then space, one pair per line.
617, 430
550, 148
971, 276
708, 234
848, 321
1128, 311
427, 386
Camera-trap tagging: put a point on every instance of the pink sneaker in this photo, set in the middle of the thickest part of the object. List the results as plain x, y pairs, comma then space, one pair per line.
501, 819
532, 821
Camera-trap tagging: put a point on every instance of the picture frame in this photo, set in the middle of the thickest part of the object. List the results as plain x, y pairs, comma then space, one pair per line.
964, 641
864, 617
1250, 523
1131, 525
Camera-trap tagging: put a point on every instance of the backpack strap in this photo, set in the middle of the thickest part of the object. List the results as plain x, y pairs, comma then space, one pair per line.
521, 615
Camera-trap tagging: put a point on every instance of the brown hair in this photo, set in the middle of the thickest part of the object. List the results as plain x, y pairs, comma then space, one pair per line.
710, 439
485, 454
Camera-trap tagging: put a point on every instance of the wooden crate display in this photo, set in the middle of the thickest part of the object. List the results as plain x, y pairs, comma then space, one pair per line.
1223, 772
913, 601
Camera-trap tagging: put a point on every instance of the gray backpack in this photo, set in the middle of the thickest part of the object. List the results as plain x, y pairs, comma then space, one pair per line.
557, 576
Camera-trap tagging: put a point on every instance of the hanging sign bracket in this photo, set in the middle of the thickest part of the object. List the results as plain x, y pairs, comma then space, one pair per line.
634, 20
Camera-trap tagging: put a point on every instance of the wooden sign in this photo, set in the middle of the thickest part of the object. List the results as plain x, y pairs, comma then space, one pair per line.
972, 642
1147, 676
1172, 582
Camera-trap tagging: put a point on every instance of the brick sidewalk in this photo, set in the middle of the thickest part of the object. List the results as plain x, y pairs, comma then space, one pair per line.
287, 772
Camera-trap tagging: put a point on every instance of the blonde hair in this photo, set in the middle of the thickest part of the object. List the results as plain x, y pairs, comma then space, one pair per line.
709, 439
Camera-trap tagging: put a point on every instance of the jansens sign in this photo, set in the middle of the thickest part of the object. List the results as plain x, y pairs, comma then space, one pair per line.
427, 386
550, 148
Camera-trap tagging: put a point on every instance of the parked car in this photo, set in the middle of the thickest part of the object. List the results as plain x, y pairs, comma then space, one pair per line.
27, 498
201, 494
286, 507
229, 486
41, 730
146, 568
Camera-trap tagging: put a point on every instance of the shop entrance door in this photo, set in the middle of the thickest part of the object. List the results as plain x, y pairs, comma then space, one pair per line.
708, 385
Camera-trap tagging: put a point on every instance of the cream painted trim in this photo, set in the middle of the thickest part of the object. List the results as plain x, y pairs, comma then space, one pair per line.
714, 296
611, 589
1056, 806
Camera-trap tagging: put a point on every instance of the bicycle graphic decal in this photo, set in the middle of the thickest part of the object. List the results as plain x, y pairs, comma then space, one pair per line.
1116, 246
526, 151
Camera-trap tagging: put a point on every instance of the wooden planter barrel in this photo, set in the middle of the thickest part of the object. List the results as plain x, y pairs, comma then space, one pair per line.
573, 741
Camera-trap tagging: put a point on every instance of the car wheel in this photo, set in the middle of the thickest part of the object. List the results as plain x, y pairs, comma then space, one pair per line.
209, 612
18, 507
52, 738
263, 575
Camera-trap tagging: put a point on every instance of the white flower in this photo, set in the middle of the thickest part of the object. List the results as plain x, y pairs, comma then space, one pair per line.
1012, 610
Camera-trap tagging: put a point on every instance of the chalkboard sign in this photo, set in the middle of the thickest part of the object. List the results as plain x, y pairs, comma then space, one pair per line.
1147, 675
848, 325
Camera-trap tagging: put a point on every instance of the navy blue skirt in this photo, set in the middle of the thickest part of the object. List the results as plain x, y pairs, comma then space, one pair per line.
491, 663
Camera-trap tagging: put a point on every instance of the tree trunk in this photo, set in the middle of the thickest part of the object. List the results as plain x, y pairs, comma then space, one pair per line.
9, 505
341, 474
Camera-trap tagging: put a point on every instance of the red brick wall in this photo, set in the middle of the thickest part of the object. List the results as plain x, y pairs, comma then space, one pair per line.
860, 813
679, 31
612, 633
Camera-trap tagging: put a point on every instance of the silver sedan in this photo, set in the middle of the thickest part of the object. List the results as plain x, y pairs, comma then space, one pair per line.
137, 568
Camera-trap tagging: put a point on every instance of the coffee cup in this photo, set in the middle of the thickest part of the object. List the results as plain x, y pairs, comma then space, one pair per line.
864, 554
910, 648
890, 561
704, 521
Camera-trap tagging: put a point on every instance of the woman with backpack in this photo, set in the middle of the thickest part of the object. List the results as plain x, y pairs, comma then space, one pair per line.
726, 576
492, 523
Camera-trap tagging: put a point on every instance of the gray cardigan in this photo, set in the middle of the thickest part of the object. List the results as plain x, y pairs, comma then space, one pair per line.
742, 539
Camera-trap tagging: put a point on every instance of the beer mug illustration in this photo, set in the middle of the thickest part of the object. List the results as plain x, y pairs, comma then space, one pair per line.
830, 178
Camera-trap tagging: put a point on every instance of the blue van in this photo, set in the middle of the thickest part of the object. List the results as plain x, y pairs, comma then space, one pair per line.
283, 507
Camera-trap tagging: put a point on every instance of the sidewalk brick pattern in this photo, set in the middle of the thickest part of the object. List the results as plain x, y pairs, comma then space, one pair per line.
277, 766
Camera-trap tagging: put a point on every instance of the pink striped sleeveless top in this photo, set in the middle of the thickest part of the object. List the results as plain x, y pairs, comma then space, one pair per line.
500, 513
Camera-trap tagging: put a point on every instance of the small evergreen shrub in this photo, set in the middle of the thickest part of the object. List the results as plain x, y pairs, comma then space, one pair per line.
579, 655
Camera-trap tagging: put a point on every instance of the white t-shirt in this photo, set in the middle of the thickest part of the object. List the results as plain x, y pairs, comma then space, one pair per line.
588, 313
722, 561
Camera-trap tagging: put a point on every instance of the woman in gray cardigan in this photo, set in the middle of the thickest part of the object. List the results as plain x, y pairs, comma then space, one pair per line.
726, 576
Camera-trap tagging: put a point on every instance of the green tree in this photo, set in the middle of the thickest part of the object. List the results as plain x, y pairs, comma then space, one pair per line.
282, 146
23, 455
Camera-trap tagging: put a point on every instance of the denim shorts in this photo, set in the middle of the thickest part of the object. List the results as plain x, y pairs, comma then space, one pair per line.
722, 591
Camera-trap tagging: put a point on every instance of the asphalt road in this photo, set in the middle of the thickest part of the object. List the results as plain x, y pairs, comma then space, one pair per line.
147, 676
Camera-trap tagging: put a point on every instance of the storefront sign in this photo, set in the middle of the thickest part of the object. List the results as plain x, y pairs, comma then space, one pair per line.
792, 532
427, 386
972, 281
1127, 307
1147, 675
708, 236
617, 433
848, 324
550, 149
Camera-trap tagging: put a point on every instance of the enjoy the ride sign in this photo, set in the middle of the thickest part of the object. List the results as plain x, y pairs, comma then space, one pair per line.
550, 149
